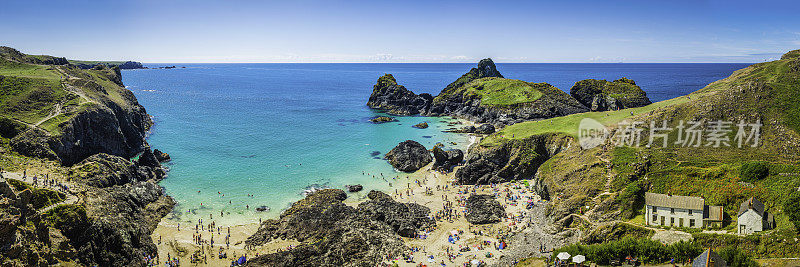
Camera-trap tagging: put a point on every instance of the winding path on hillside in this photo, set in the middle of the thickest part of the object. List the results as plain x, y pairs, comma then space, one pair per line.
70, 197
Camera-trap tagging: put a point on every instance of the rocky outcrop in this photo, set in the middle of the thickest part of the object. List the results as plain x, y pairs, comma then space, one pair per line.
161, 156
485, 129
602, 95
382, 119
334, 234
354, 188
510, 160
406, 219
445, 160
396, 99
131, 65
454, 101
484, 209
409, 156
421, 125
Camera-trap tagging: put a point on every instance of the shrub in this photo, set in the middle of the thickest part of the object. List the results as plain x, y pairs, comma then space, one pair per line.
736, 257
754, 171
791, 206
646, 250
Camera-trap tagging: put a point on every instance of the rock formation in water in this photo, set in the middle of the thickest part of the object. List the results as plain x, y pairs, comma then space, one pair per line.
396, 99
480, 95
409, 156
602, 95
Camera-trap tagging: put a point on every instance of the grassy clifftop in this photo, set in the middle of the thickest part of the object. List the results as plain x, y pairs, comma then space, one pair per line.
498, 92
41, 95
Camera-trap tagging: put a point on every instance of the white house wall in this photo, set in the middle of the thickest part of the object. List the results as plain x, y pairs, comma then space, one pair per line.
697, 216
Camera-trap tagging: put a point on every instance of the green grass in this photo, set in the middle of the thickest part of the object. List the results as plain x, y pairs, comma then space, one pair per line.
569, 124
94, 62
29, 99
9, 68
499, 91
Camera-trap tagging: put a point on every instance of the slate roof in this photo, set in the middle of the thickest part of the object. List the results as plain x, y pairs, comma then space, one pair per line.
713, 213
709, 258
678, 202
754, 204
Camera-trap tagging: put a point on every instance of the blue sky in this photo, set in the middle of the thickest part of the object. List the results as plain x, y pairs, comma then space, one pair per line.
403, 31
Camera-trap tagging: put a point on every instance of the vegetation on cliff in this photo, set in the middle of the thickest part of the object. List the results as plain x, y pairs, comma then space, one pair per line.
607, 183
100, 212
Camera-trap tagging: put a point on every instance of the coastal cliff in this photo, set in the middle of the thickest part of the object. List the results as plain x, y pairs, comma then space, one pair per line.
77, 130
601, 189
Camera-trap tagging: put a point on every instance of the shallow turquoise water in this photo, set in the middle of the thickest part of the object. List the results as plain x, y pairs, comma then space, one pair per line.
273, 130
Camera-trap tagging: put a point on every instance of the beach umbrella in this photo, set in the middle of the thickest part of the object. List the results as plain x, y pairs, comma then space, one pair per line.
578, 259
563, 256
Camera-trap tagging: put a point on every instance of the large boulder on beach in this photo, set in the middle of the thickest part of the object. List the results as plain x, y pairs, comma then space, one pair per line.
409, 156
406, 219
445, 160
483, 209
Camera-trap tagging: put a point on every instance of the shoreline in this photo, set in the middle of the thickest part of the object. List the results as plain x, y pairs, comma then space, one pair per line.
177, 238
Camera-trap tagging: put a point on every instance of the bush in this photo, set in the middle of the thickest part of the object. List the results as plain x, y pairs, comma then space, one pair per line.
754, 171
646, 250
791, 206
736, 257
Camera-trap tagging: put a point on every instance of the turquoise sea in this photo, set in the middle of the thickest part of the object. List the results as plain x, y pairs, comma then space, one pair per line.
261, 134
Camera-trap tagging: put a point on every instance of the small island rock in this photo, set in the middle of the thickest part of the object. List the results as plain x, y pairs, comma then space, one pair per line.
409, 156
382, 119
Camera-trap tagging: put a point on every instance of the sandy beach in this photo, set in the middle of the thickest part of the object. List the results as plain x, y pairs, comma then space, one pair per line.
453, 242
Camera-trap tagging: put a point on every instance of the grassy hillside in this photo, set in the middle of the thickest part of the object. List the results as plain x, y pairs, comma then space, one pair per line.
766, 92
34, 94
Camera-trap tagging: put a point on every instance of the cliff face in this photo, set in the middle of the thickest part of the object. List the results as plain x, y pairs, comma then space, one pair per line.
480, 95
84, 126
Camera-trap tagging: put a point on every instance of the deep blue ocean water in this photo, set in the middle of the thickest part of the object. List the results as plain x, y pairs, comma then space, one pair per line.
273, 130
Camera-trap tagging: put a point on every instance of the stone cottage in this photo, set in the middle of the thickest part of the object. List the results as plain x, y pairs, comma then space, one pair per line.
753, 217
680, 211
